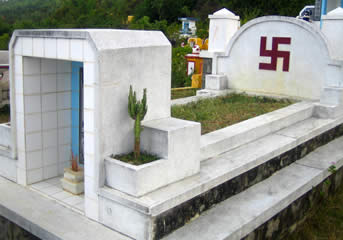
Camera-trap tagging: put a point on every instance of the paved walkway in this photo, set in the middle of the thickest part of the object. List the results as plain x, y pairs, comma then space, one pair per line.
47, 219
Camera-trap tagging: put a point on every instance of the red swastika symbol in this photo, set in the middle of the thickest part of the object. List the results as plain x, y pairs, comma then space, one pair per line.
274, 54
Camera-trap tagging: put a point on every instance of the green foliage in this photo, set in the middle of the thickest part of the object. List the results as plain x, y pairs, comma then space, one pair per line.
249, 14
4, 41
179, 67
202, 29
177, 93
332, 169
137, 111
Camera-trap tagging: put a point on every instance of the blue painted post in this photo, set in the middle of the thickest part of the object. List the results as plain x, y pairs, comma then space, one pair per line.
342, 3
323, 12
75, 106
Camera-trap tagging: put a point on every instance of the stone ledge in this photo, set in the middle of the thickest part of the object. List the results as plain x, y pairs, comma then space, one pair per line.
46, 219
171, 207
241, 215
225, 139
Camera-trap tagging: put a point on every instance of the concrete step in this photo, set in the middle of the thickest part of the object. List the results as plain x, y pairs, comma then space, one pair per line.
241, 214
228, 174
223, 140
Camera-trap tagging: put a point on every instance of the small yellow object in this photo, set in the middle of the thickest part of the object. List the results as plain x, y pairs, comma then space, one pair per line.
130, 19
196, 80
195, 41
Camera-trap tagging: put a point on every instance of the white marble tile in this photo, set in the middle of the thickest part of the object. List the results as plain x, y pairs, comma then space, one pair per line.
90, 191
88, 52
18, 65
64, 153
49, 120
19, 100
33, 141
76, 49
49, 83
21, 141
64, 100
21, 159
89, 143
63, 82
63, 47
32, 84
49, 172
27, 46
89, 73
88, 98
50, 138
34, 160
21, 176
33, 122
50, 48
32, 104
40, 185
34, 175
62, 195
62, 166
49, 102
54, 181
50, 156
63, 66
51, 190
64, 136
18, 46
49, 66
18, 79
89, 165
89, 124
38, 47
64, 118
73, 200
31, 66
20, 122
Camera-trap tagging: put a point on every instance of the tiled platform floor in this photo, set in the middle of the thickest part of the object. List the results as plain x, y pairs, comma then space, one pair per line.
52, 189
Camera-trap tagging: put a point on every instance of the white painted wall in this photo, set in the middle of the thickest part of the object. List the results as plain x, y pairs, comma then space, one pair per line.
309, 57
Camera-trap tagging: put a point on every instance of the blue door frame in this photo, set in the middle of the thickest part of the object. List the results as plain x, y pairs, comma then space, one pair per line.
77, 110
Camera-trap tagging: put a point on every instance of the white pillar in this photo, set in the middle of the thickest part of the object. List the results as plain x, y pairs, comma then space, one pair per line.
333, 29
223, 25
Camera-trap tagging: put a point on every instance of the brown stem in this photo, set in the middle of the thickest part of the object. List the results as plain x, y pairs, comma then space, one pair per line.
137, 151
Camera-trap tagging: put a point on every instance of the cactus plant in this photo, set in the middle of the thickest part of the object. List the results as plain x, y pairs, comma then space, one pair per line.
137, 111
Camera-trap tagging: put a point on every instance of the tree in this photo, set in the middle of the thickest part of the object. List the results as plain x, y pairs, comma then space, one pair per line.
4, 40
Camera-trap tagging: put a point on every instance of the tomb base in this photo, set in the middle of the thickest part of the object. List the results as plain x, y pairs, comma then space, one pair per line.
216, 82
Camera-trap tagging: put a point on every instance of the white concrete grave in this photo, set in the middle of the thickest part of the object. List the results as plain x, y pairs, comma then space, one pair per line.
69, 91
279, 56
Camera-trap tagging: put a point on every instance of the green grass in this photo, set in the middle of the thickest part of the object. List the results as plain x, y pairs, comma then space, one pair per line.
175, 94
223, 111
324, 221
5, 114
129, 158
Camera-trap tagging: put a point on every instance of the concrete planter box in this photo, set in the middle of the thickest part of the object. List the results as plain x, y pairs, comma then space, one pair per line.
132, 179
72, 181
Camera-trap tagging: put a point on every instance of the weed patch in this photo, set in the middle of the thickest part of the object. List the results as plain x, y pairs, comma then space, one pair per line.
223, 111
